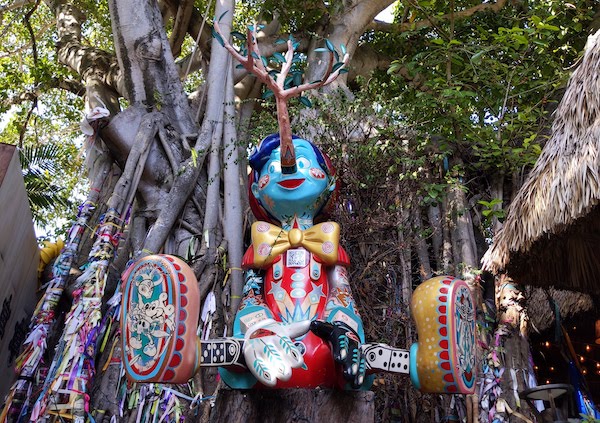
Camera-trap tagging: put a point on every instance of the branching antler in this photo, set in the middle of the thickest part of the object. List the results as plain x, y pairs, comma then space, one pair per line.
256, 64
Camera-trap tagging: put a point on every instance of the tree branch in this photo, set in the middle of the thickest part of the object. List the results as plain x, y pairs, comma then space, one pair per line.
180, 26
24, 47
99, 70
14, 5
34, 99
70, 85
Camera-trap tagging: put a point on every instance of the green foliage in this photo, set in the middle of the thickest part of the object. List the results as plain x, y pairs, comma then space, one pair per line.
38, 116
466, 98
49, 193
376, 173
97, 28
489, 211
480, 89
263, 122
293, 15
433, 193
587, 418
485, 85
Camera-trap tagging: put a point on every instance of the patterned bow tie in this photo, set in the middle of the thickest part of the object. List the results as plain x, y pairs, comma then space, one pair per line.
269, 241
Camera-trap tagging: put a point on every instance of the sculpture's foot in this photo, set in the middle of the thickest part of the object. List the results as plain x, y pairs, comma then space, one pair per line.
443, 361
159, 320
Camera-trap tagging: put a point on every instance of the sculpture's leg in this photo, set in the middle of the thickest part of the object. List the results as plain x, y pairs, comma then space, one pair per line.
383, 358
160, 313
443, 361
159, 319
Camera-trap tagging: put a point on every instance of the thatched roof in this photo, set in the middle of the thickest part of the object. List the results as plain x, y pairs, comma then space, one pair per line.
541, 305
551, 235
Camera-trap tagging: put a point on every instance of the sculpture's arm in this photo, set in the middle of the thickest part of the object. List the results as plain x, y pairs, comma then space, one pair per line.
341, 306
343, 327
269, 351
252, 309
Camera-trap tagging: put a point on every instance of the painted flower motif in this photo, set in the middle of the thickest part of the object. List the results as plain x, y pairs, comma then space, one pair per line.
264, 249
317, 173
327, 247
327, 228
263, 181
263, 227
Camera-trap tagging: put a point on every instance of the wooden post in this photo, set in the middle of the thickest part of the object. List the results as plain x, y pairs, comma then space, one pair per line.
293, 405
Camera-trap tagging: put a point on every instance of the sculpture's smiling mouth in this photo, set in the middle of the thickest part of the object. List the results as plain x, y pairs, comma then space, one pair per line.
291, 183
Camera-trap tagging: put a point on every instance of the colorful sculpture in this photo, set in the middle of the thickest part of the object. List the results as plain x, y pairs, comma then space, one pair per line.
296, 278
159, 320
297, 325
296, 273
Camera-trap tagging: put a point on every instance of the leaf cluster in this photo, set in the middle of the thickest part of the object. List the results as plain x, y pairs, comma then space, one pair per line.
50, 193
293, 15
485, 85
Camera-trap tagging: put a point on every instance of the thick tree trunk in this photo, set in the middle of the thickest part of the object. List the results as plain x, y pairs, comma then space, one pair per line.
463, 238
233, 204
497, 192
508, 367
294, 405
346, 27
97, 68
405, 270
192, 168
143, 49
447, 250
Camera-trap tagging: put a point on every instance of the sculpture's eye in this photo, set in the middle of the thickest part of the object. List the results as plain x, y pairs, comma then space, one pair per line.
303, 163
274, 167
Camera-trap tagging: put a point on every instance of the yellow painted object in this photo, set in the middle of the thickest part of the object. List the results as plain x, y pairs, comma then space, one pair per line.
49, 252
443, 361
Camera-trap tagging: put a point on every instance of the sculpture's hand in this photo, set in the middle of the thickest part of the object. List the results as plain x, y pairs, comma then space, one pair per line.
345, 345
269, 351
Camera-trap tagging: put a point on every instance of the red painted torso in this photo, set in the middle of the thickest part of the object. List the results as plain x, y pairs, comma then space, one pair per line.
295, 289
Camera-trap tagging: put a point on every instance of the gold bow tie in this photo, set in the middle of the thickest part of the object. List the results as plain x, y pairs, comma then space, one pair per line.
269, 241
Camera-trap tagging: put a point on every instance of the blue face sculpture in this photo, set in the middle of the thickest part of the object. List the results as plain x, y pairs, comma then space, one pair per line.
302, 193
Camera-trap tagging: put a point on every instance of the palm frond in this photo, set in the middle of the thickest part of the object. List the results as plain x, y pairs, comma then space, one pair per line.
40, 166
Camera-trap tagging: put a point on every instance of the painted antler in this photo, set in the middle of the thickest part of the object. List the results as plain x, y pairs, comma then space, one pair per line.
256, 64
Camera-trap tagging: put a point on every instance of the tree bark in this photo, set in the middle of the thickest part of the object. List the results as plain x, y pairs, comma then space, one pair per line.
233, 204
437, 238
99, 71
421, 244
294, 405
463, 237
447, 250
143, 49
186, 181
346, 28
497, 192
